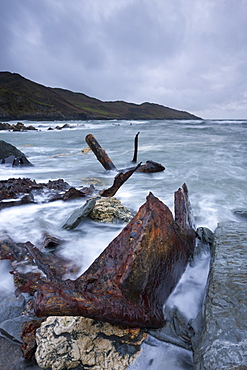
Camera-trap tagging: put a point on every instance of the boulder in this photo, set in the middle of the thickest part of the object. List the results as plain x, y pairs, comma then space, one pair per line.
110, 209
131, 279
66, 342
9, 154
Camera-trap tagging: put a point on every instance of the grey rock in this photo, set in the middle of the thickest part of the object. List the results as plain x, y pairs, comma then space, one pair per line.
99, 209
12, 328
224, 339
205, 235
79, 214
11, 306
9, 154
10, 355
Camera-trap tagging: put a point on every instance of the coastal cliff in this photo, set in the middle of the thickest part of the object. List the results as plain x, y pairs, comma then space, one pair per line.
23, 99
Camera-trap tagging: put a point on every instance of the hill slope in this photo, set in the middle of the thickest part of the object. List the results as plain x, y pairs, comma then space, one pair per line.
21, 98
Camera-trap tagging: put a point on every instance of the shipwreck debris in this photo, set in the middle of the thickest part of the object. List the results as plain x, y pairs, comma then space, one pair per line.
131, 279
104, 159
99, 152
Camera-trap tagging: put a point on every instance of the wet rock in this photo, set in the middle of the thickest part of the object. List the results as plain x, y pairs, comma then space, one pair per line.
66, 125
224, 338
11, 306
73, 193
205, 235
131, 279
151, 167
241, 214
51, 242
66, 342
9, 154
79, 214
12, 328
15, 192
92, 181
5, 126
14, 315
19, 126
10, 355
110, 209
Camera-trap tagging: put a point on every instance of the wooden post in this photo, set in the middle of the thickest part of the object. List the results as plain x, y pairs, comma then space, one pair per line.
100, 153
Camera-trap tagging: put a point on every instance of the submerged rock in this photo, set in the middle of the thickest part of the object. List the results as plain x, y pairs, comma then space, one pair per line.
66, 342
224, 339
241, 214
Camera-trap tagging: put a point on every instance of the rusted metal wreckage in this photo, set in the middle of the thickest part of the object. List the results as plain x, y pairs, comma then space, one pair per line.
104, 159
131, 279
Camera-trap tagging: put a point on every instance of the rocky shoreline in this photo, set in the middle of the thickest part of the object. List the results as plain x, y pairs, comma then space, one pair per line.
213, 348
73, 339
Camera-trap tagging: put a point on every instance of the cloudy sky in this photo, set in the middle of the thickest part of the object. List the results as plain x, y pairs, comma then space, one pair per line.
186, 54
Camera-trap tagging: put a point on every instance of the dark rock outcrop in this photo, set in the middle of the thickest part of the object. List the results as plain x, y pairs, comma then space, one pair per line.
15, 192
131, 279
19, 126
9, 154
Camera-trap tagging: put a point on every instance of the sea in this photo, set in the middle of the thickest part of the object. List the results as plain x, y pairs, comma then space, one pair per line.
210, 156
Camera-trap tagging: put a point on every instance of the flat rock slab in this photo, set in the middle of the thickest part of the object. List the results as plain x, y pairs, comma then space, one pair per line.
224, 338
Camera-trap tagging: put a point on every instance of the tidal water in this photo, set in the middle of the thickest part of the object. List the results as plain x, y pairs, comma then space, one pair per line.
208, 155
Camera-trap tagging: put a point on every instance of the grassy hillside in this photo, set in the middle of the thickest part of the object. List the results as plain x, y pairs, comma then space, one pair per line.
24, 99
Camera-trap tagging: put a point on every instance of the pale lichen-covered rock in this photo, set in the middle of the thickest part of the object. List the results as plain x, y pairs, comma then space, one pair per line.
66, 342
110, 209
92, 181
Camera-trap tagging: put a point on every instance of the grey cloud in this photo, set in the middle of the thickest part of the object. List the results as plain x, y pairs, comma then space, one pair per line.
187, 54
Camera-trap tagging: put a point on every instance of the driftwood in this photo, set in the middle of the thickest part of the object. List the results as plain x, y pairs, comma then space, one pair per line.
131, 279
103, 158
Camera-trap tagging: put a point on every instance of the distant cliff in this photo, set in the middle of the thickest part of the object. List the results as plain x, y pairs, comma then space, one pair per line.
24, 99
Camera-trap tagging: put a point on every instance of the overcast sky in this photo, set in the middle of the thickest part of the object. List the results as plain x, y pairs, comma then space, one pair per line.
186, 54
